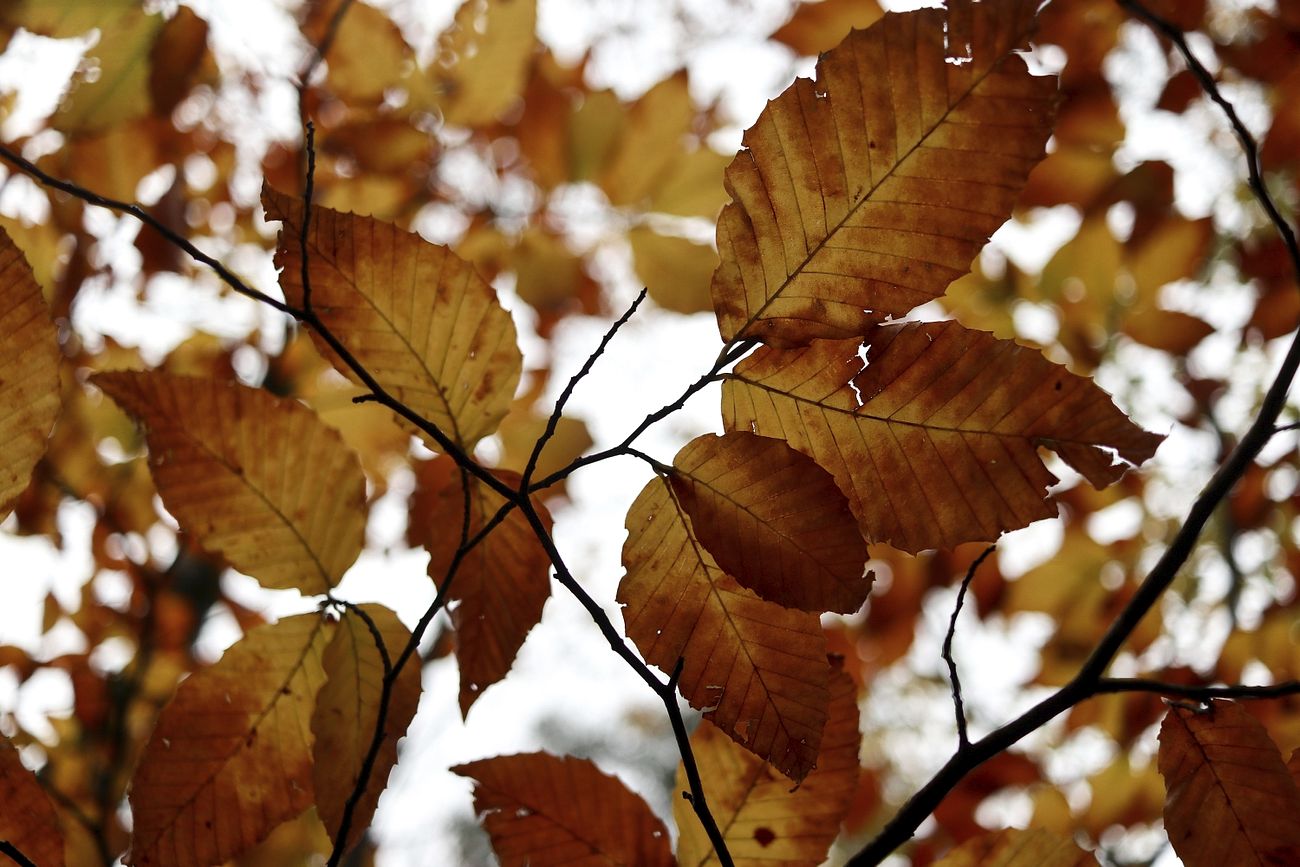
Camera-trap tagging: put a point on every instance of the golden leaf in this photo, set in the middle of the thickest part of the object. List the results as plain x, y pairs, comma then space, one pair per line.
935, 438
1230, 797
347, 710
762, 820
866, 193
773, 520
820, 25
28, 820
758, 670
29, 373
259, 479
675, 271
489, 48
593, 820
1017, 848
421, 321
650, 142
231, 755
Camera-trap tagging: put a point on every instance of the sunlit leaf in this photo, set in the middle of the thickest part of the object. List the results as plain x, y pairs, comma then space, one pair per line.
28, 820
258, 479
819, 25
1016, 848
545, 811
866, 193
758, 670
231, 755
935, 438
484, 59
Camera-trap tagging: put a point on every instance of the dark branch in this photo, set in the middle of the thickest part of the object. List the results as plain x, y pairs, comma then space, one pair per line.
14, 853
958, 708
323, 47
1107, 685
308, 190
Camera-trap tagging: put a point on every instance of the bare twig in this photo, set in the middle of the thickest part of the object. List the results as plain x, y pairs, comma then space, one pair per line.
1108, 685
308, 190
958, 708
13, 852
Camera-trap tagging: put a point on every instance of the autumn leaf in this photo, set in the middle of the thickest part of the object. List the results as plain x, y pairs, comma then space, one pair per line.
542, 810
347, 710
421, 321
758, 670
820, 25
231, 755
1230, 797
500, 586
29, 373
259, 479
489, 47
773, 520
763, 820
866, 193
675, 271
1016, 848
28, 821
935, 438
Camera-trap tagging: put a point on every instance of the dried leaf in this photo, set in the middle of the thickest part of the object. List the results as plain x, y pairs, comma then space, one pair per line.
420, 320
773, 520
491, 44
542, 810
1016, 848
231, 755
820, 25
28, 820
935, 440
762, 820
259, 479
1230, 797
866, 193
758, 670
347, 710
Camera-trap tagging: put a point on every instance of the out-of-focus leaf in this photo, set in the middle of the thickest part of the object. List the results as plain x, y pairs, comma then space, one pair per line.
259, 479
28, 821
231, 755
545, 811
758, 670
854, 200
484, 58
674, 270
650, 143
368, 56
1169, 330
176, 57
1017, 848
691, 186
520, 431
820, 25
113, 160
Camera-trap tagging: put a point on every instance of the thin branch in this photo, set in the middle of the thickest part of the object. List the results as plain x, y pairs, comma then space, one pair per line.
308, 190
13, 852
323, 47
958, 708
1109, 685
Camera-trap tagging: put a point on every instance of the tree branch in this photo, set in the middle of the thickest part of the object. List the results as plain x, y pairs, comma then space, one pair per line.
13, 852
1110, 685
963, 740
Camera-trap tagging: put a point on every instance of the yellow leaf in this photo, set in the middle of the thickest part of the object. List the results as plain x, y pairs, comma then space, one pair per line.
762, 820
347, 710
1016, 848
651, 142
935, 441
758, 670
1175, 250
28, 821
866, 193
29, 373
489, 48
369, 54
419, 318
258, 479
1230, 797
773, 520
820, 25
545, 811
691, 186
675, 271
520, 432
231, 755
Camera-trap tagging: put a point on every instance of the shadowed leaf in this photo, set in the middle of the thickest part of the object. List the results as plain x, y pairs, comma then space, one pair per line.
28, 820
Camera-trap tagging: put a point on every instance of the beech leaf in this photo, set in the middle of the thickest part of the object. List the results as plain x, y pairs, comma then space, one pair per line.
1013, 847
493, 42
758, 670
347, 710
935, 438
1231, 799
773, 520
259, 479
417, 316
761, 818
866, 193
28, 820
231, 755
544, 811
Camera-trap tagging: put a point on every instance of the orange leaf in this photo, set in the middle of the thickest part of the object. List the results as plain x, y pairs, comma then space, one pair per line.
1015, 848
867, 192
347, 710
231, 755
419, 318
28, 820
758, 670
935, 440
1230, 797
820, 25
259, 479
773, 520
500, 586
762, 820
544, 810
29, 373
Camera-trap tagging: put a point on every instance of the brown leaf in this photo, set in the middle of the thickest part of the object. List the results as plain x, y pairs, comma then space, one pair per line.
347, 710
29, 373
762, 820
425, 325
758, 670
259, 479
231, 755
28, 821
1230, 797
499, 587
866, 193
773, 520
544, 811
935, 440
1016, 848
493, 42
820, 25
